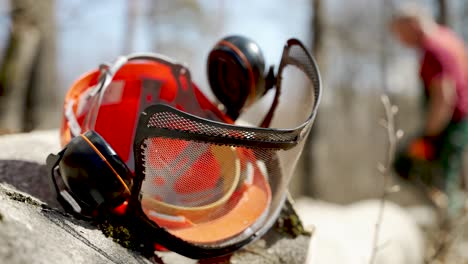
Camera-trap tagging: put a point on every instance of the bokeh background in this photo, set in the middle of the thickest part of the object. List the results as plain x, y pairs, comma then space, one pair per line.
53, 42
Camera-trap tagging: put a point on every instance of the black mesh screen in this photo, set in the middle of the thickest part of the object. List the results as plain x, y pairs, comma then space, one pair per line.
215, 184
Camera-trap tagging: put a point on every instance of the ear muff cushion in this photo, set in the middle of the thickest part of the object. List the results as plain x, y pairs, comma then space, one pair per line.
112, 157
235, 72
229, 78
91, 173
252, 52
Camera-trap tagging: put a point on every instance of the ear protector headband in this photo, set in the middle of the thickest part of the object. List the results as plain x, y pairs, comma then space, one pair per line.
140, 132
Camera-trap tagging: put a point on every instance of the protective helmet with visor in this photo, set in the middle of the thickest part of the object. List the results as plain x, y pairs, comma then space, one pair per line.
140, 132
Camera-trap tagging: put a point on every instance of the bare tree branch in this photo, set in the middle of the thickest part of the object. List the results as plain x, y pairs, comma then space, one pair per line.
393, 136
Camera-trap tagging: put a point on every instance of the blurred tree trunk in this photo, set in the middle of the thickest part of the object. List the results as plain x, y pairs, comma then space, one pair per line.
27, 75
316, 26
46, 107
308, 158
130, 24
443, 12
16, 71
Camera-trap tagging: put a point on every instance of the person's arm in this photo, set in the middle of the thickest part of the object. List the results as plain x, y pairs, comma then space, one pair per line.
441, 105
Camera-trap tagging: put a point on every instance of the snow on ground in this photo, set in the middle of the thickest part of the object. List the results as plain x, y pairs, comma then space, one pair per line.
344, 234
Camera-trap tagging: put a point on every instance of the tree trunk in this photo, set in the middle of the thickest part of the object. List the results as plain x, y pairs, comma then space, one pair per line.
46, 105
307, 159
443, 12
316, 26
17, 68
27, 75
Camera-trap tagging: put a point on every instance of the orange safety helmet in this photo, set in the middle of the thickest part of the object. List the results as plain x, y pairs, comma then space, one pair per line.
141, 132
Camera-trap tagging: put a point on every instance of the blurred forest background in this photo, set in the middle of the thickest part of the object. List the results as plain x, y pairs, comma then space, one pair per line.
45, 45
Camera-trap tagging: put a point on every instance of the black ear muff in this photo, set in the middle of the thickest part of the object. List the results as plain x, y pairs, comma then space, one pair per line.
236, 73
89, 175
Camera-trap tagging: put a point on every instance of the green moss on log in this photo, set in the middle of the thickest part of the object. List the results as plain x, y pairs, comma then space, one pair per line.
289, 223
125, 232
119, 234
22, 198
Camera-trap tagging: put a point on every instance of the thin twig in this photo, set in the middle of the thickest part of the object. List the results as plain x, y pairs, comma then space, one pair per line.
392, 133
393, 136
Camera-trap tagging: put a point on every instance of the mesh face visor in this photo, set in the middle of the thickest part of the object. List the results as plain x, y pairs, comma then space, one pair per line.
207, 188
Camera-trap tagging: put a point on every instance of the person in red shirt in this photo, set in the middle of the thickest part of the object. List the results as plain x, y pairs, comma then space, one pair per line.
435, 156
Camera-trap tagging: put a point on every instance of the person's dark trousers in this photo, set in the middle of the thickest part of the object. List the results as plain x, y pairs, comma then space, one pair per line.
445, 170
